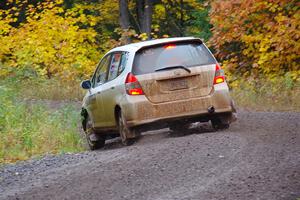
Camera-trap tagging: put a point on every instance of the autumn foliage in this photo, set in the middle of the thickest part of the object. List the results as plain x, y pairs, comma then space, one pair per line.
257, 38
252, 39
52, 41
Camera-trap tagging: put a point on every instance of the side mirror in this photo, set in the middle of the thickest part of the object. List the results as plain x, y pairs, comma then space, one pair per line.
86, 84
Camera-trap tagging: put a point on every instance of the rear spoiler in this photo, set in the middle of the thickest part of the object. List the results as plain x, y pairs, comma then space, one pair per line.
173, 42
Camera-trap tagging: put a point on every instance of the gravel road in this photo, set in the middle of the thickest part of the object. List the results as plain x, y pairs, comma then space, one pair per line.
257, 158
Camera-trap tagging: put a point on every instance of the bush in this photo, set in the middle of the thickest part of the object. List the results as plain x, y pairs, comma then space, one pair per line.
52, 41
30, 128
282, 94
257, 37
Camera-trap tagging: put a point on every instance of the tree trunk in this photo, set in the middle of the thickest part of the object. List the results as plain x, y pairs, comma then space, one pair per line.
148, 17
144, 9
124, 18
140, 13
181, 18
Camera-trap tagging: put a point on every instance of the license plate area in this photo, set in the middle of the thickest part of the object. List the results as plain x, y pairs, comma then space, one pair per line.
177, 84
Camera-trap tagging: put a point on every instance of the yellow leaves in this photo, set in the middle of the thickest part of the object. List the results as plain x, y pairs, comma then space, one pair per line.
60, 10
159, 11
273, 7
51, 43
58, 2
109, 11
143, 36
93, 21
280, 18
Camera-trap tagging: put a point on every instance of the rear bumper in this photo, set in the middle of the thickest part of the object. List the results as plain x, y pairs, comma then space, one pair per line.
163, 123
138, 110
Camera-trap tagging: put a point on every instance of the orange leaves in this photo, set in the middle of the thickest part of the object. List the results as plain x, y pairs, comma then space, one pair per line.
262, 34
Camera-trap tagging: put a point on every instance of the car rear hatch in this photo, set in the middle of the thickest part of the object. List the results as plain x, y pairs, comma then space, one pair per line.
175, 71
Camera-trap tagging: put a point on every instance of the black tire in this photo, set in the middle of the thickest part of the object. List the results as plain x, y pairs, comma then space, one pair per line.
217, 124
125, 131
94, 140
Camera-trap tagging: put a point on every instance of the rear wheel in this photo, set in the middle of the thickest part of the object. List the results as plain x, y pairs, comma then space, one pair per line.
127, 134
217, 124
94, 140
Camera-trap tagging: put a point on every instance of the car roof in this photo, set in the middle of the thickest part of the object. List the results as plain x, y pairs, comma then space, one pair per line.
133, 47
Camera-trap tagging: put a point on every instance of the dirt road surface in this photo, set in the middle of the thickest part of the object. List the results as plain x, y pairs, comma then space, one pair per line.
257, 158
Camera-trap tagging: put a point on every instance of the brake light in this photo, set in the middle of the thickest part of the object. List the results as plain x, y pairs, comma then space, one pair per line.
133, 86
219, 75
170, 46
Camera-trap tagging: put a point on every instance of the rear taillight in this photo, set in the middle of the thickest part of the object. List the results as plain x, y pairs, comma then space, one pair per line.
219, 75
133, 86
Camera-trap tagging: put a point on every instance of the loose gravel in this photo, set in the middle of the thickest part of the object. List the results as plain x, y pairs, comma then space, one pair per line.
258, 157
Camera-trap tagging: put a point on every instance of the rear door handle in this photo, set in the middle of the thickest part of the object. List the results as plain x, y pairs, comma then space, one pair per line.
112, 87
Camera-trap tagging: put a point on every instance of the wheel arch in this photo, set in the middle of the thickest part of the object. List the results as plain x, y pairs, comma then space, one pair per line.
116, 113
84, 114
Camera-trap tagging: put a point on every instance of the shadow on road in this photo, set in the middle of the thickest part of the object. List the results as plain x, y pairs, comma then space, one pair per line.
161, 134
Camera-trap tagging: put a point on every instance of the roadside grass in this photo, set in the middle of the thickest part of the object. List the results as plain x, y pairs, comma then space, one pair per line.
29, 127
48, 89
282, 95
32, 129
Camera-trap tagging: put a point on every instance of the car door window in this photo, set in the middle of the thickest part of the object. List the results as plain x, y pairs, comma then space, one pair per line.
114, 65
100, 76
118, 63
123, 62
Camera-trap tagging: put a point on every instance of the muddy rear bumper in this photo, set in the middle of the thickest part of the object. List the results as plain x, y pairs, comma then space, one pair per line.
163, 123
138, 110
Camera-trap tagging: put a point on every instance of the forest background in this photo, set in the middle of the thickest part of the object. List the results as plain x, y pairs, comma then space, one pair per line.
48, 47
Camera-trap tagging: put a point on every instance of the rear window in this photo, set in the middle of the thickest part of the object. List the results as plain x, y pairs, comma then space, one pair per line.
189, 54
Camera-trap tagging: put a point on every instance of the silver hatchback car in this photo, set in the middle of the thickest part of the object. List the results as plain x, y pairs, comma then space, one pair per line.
154, 84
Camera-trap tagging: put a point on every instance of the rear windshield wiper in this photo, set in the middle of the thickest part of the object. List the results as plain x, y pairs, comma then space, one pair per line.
175, 67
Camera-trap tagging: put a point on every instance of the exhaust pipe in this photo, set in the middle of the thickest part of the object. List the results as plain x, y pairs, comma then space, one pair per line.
211, 109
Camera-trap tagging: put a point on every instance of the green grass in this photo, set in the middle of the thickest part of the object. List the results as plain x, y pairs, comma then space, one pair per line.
52, 89
281, 95
30, 129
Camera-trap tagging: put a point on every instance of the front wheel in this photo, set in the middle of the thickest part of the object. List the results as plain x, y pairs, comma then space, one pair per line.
94, 140
127, 134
